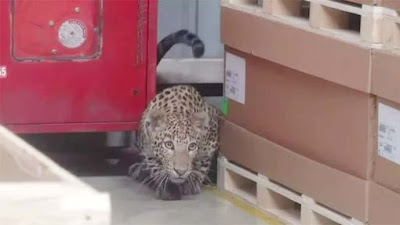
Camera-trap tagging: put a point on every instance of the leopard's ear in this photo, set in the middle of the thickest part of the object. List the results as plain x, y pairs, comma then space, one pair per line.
155, 121
200, 120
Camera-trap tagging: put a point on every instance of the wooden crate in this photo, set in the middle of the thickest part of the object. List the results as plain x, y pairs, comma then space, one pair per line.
357, 23
287, 204
35, 190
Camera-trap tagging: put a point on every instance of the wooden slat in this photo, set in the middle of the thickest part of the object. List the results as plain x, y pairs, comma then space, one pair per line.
287, 204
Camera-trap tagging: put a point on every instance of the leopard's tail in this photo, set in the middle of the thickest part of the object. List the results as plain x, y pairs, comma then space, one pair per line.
180, 37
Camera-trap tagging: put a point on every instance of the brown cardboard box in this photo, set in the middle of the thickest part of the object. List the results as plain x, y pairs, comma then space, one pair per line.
320, 120
305, 50
330, 122
385, 75
314, 136
309, 134
393, 4
323, 121
387, 173
333, 188
384, 206
309, 114
349, 63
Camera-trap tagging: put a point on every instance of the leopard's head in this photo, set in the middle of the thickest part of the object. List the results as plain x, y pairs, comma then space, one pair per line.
175, 140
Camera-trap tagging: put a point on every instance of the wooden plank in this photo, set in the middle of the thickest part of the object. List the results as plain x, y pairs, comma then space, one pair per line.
35, 190
237, 181
293, 196
325, 17
31, 161
349, 8
283, 7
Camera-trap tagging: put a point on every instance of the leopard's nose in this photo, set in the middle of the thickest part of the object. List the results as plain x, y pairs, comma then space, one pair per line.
180, 172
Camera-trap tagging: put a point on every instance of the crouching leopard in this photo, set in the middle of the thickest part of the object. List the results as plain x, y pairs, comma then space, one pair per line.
178, 136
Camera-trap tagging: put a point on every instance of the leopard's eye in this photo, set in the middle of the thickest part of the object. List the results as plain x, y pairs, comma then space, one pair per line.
169, 145
192, 147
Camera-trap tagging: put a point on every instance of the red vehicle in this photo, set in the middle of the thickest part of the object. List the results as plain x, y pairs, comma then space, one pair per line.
76, 65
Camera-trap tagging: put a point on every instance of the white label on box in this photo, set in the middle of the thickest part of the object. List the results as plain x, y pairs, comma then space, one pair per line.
235, 78
389, 133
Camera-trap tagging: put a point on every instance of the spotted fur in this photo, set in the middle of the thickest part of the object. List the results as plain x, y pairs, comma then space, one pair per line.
178, 136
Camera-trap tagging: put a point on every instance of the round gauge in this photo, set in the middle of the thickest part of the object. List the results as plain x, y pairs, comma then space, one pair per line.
72, 34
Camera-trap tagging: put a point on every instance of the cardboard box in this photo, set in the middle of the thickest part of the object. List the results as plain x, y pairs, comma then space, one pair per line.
303, 110
309, 134
298, 47
385, 75
392, 4
320, 120
323, 121
384, 205
348, 62
333, 188
312, 135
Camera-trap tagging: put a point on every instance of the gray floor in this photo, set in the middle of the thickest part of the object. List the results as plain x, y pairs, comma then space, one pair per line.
134, 204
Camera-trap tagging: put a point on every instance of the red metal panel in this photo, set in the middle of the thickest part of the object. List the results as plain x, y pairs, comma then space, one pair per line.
152, 50
108, 92
56, 29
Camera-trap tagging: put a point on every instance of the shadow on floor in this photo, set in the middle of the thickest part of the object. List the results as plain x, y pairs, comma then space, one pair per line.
85, 154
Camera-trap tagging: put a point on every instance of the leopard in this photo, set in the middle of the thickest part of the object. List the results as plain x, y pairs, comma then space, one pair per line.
177, 138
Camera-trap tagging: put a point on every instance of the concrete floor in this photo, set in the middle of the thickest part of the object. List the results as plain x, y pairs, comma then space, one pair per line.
85, 155
133, 203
